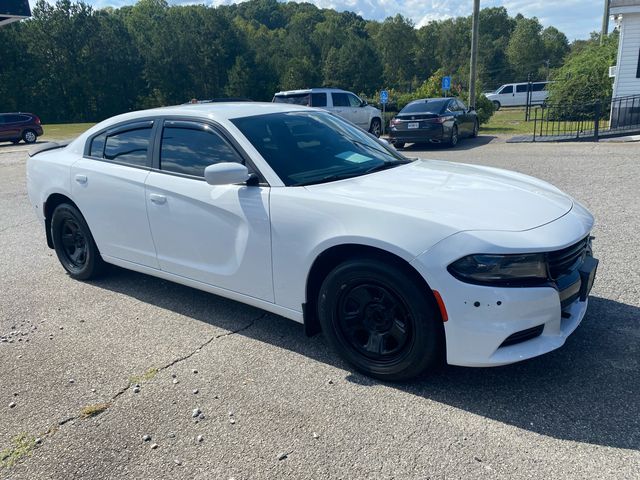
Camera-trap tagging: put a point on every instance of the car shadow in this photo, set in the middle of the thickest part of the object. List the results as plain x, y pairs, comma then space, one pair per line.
587, 391
463, 144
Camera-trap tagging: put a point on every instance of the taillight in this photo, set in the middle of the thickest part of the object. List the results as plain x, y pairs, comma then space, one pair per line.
441, 119
37, 119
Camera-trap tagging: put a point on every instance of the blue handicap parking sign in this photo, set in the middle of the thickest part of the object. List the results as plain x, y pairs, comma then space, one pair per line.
446, 83
384, 96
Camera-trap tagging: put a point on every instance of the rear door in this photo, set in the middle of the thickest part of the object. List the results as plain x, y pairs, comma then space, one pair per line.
219, 235
108, 186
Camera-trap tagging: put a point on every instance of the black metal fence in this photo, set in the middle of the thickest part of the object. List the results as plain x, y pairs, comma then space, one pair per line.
588, 121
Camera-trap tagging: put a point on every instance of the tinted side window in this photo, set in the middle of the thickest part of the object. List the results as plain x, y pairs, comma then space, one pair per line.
2, 119
354, 101
97, 146
538, 87
521, 89
319, 99
190, 149
453, 106
13, 118
461, 106
297, 99
508, 89
129, 146
340, 99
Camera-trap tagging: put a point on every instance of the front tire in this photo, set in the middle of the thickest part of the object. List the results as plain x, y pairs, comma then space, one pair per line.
380, 320
476, 129
455, 136
29, 136
376, 127
74, 244
497, 105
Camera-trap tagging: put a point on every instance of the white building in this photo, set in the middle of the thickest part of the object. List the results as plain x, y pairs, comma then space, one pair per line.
626, 14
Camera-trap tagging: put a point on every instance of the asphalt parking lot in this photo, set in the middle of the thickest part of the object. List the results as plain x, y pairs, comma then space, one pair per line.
279, 405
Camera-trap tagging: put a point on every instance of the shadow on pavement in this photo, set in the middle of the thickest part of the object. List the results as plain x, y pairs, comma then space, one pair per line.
587, 391
463, 144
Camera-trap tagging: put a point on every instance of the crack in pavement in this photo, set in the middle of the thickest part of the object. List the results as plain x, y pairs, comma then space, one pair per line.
52, 430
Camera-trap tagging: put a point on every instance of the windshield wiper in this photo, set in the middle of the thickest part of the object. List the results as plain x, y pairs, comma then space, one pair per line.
332, 178
386, 166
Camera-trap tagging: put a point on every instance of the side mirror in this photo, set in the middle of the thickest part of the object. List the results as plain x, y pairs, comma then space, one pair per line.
363, 103
226, 173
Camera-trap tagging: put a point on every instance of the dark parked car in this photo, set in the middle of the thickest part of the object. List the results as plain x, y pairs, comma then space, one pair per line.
434, 120
19, 126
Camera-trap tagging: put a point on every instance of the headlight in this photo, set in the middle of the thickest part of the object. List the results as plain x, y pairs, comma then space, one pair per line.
504, 270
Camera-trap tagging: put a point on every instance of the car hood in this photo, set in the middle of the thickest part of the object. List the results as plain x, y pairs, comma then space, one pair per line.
464, 197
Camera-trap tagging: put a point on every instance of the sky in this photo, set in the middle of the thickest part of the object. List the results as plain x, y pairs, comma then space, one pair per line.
576, 18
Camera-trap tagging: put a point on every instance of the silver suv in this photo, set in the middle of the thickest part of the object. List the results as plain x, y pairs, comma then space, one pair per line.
346, 104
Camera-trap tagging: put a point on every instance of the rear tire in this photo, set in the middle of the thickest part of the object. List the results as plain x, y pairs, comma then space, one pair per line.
29, 136
380, 320
376, 127
74, 244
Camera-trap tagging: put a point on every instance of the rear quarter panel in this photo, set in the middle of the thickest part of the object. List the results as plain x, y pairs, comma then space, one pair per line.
48, 173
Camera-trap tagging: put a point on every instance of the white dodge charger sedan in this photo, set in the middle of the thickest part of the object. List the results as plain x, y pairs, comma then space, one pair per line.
400, 263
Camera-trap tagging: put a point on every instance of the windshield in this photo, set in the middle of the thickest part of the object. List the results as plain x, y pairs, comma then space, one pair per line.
432, 106
314, 147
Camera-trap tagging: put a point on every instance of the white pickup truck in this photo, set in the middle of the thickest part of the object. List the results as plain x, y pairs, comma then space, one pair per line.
346, 104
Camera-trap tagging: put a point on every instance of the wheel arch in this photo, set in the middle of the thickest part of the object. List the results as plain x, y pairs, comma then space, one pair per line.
49, 206
330, 258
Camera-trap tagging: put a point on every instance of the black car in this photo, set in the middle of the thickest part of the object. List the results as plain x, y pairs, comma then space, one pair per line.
19, 126
434, 120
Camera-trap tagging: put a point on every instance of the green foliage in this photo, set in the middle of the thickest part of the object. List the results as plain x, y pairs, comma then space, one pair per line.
584, 78
71, 63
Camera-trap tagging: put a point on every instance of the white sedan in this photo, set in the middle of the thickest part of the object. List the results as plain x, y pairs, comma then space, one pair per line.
400, 263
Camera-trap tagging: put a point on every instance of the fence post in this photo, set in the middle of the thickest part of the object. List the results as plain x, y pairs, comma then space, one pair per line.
535, 124
596, 126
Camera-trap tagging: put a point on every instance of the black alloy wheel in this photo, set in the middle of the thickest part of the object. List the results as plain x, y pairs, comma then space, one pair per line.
379, 319
74, 244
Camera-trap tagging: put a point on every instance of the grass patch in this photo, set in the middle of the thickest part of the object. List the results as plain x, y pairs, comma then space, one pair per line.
509, 121
148, 375
22, 446
93, 410
64, 131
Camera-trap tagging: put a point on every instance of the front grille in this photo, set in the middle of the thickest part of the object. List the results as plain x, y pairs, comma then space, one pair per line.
523, 336
564, 261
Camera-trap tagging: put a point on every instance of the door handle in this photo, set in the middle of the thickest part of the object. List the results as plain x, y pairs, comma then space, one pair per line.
158, 199
81, 179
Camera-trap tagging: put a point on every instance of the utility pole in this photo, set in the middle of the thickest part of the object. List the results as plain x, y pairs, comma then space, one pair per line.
605, 22
474, 54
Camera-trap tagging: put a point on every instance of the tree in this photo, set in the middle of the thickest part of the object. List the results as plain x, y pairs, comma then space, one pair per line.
584, 77
526, 50
556, 46
396, 40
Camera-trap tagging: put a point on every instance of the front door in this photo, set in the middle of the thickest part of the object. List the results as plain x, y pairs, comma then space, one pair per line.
218, 235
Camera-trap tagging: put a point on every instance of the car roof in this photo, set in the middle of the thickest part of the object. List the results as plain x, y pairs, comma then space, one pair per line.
311, 90
432, 99
215, 110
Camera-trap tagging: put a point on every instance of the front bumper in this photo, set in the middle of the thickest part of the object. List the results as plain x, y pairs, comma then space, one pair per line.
481, 319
